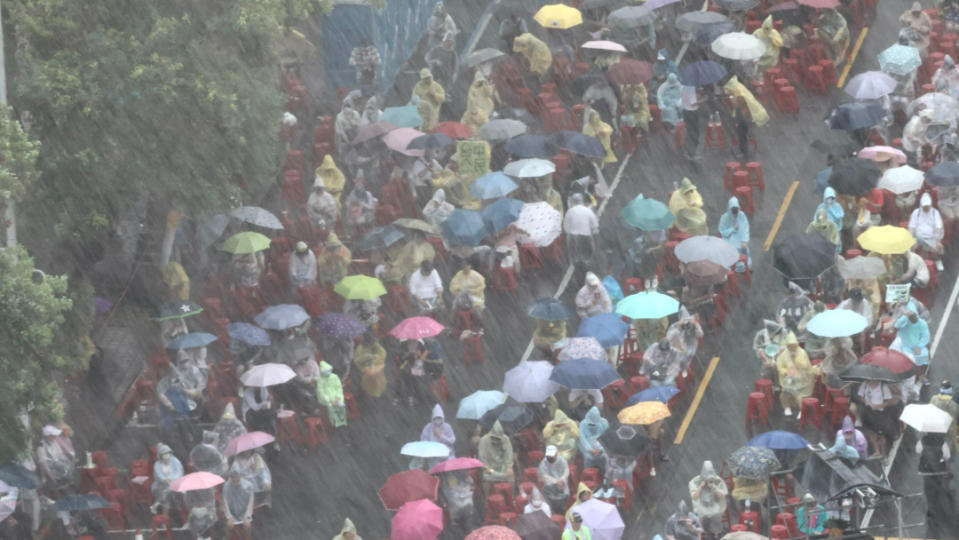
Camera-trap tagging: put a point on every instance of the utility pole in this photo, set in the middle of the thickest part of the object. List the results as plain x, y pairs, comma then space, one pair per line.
11, 214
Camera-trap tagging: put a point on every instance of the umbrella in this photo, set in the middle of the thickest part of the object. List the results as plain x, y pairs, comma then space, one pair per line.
837, 323
255, 215
429, 140
752, 462
190, 341
856, 115
895, 361
493, 532
502, 213
882, 153
246, 242
529, 382
644, 413
454, 130
837, 143
630, 17
549, 309
656, 4
339, 326
737, 5
870, 85
738, 46
416, 225
584, 374
476, 58
703, 73
512, 415
820, 4
268, 374
661, 394
381, 238
416, 328
604, 45
945, 174
196, 481
417, 520
79, 503
744, 535
625, 440
464, 228
582, 347
853, 176
886, 240
861, 267
19, 476
629, 71
693, 21
558, 16
899, 60
248, 333
707, 248
475, 405
536, 526
359, 287
926, 418
704, 273
543, 223
647, 305
804, 256
531, 146
607, 328
372, 131
177, 309
399, 140
870, 372
407, 486
212, 229
529, 168
903, 179
779, 440
647, 214
578, 143
501, 129
405, 116
602, 518
708, 34
282, 317
425, 449
494, 185
944, 108
457, 464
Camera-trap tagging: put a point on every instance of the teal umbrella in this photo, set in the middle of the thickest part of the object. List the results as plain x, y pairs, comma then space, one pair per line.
647, 305
464, 228
899, 59
475, 405
837, 323
405, 116
647, 214
492, 185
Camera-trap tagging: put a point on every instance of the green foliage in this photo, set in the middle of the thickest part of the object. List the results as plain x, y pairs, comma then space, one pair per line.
18, 157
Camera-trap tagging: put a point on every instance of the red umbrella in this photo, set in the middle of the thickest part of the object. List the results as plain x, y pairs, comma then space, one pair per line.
417, 520
820, 4
416, 328
894, 361
493, 532
457, 464
453, 130
630, 71
408, 486
703, 273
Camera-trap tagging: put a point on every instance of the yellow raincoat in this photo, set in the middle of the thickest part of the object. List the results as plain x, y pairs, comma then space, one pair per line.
582, 488
797, 376
480, 96
431, 92
371, 361
636, 105
595, 127
548, 332
333, 178
474, 118
758, 113
333, 261
410, 255
562, 433
687, 196
472, 282
456, 189
768, 34
177, 280
536, 52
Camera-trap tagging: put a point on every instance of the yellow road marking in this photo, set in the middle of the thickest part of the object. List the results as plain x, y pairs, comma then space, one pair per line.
780, 216
852, 58
699, 397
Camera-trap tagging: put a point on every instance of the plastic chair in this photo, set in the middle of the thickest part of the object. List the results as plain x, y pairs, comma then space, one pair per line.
732, 167
828, 71
751, 519
531, 475
505, 279
352, 409
779, 532
840, 409
590, 477
745, 196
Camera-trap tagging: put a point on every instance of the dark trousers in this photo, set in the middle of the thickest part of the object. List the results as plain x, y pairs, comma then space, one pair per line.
691, 119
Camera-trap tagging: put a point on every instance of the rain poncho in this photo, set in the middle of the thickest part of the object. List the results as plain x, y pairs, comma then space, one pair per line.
55, 457
437, 210
768, 34
442, 433
919, 21
580, 489
757, 112
228, 428
247, 269
822, 225
202, 506
457, 489
661, 366
471, 282
370, 360
734, 228
635, 106
687, 196
946, 80
650, 331
496, 452
254, 470
329, 393
683, 525
669, 98
811, 520
562, 433
595, 127
166, 469
332, 177
474, 118
859, 442
303, 269
360, 208
796, 375
480, 95
684, 336
914, 133
429, 91
321, 205
838, 357
912, 336
590, 429
547, 333
238, 500
832, 207
207, 457
344, 128
708, 493
834, 30
537, 504
792, 309
333, 263
177, 280
440, 25
554, 477
536, 52
843, 450
411, 254
592, 300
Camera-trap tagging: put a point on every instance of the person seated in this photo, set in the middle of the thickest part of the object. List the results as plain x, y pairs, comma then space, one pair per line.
592, 298
426, 287
926, 226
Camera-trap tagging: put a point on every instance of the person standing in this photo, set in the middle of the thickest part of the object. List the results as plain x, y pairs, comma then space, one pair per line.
580, 225
576, 530
237, 503
431, 92
590, 429
734, 228
691, 117
796, 375
708, 493
913, 341
302, 266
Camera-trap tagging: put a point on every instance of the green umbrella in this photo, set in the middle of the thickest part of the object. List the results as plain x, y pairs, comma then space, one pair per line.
647, 214
246, 242
359, 287
647, 305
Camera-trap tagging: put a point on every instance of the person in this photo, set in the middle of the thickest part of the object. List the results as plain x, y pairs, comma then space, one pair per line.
179, 394
691, 100
496, 452
583, 494
842, 449
635, 108
371, 113
56, 458
811, 516
773, 41
661, 363
370, 359
913, 341
547, 334
257, 408
914, 134
166, 469
838, 357
437, 210
921, 25
457, 489
687, 196
439, 431
755, 113
882, 425
256, 471
360, 211
796, 375
814, 344
669, 99
590, 429
684, 336
834, 31
592, 298
333, 262
345, 125
329, 393
207, 457
442, 59
944, 401
708, 493
538, 504
792, 309
854, 438
366, 60
474, 118
580, 225
683, 524
469, 281
511, 28
832, 207
926, 226
247, 269
858, 303
822, 226
431, 92
302, 266
916, 274
576, 530
201, 504
946, 80
426, 287
481, 95
440, 25
553, 475
563, 434
734, 228
536, 52
237, 502
333, 178
347, 531
228, 427
593, 126
321, 205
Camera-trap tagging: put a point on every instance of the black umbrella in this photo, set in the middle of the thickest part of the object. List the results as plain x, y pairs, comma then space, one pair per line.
837, 143
625, 440
77, 503
737, 5
707, 34
531, 146
870, 372
550, 309
430, 140
18, 476
804, 256
381, 238
854, 176
177, 309
579, 143
512, 415
856, 115
945, 174
703, 73
536, 525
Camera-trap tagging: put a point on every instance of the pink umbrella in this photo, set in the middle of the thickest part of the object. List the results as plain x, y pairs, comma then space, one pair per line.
417, 520
882, 153
493, 532
457, 464
604, 45
196, 481
248, 441
399, 138
820, 4
416, 328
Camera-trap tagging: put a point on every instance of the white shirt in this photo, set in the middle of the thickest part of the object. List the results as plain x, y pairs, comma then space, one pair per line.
581, 220
425, 287
595, 394
926, 225
918, 265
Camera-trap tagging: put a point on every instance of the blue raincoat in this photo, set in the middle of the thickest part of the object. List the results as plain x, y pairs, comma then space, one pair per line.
669, 97
914, 335
833, 209
590, 429
737, 236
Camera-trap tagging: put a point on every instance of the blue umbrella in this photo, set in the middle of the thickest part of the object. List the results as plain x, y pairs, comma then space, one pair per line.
339, 325
248, 333
899, 59
608, 329
492, 186
191, 341
475, 405
16, 475
779, 440
647, 214
647, 305
837, 323
464, 228
425, 449
856, 115
703, 73
282, 317
381, 238
531, 146
550, 309
579, 143
77, 503
584, 374
501, 213
707, 34
405, 116
661, 394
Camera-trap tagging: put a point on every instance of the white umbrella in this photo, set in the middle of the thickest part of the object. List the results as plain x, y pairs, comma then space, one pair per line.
257, 216
530, 168
926, 418
501, 129
604, 45
269, 374
902, 179
529, 382
542, 222
425, 449
399, 139
738, 46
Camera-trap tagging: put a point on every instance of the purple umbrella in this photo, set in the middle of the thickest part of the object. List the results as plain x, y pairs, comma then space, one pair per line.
339, 325
602, 518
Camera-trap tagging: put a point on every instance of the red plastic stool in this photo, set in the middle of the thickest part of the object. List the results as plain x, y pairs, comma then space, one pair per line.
527, 488
809, 413
771, 75
793, 73
789, 101
748, 273
654, 113
788, 520
778, 532
161, 520
732, 283
288, 430
756, 178
731, 168
315, 432
828, 399
828, 71
740, 179
506, 490
840, 409
530, 475
495, 504
504, 279
715, 135
352, 409
757, 409
815, 79
853, 253
745, 196
765, 386
521, 501
760, 90
752, 520
927, 89
738, 528
533, 457
507, 519
679, 134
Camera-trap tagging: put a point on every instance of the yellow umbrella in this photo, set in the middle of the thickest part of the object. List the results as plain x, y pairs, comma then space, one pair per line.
644, 413
558, 16
886, 240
